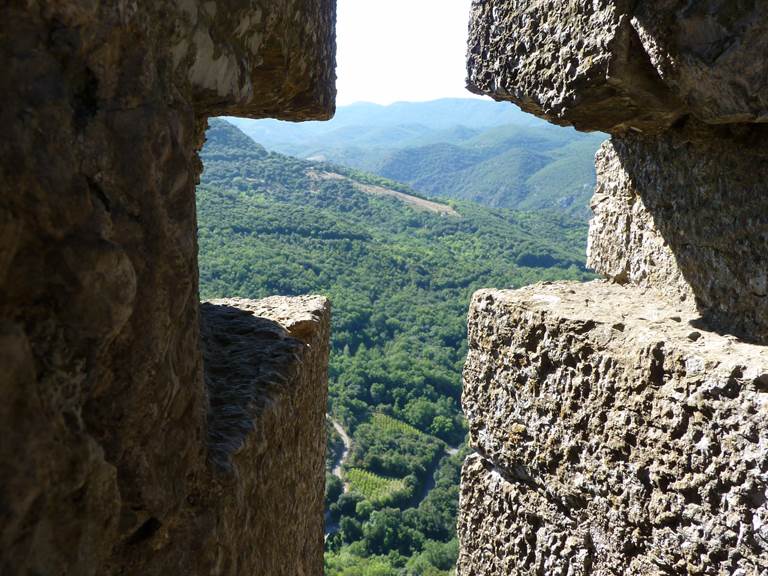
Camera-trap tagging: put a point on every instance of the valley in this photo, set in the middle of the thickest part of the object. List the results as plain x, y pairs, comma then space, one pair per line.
399, 269
478, 150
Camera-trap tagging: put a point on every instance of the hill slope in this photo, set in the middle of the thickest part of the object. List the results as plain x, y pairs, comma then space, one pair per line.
399, 276
484, 151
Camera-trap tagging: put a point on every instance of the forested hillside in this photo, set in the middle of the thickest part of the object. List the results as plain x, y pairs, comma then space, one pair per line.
484, 151
399, 272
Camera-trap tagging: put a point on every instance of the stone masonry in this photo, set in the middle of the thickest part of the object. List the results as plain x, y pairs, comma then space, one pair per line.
105, 466
621, 426
612, 437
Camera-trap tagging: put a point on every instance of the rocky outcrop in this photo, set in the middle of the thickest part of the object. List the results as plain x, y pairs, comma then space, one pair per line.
616, 438
104, 107
620, 428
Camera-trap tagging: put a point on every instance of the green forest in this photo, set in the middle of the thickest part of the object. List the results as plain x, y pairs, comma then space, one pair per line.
399, 277
487, 152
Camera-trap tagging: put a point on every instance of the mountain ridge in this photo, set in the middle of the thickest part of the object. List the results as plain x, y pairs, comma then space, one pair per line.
451, 148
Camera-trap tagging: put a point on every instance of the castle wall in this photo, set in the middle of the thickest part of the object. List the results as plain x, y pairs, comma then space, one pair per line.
620, 426
104, 455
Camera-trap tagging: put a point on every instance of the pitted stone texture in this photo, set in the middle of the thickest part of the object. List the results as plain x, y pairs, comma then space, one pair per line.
624, 243
613, 65
505, 528
266, 372
103, 400
259, 508
611, 427
571, 62
687, 214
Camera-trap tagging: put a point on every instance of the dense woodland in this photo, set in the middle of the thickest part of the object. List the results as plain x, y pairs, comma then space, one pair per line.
400, 278
480, 150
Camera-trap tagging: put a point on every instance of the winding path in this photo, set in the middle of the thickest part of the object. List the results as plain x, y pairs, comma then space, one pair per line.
430, 481
330, 525
345, 453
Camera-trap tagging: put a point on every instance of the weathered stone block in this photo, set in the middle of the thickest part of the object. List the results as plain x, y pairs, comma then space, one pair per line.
687, 214
266, 373
704, 53
613, 65
615, 437
259, 506
258, 58
624, 243
571, 62
104, 105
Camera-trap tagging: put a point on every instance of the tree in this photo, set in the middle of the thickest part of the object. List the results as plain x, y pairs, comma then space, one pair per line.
346, 504
442, 427
333, 489
363, 510
420, 413
386, 531
351, 530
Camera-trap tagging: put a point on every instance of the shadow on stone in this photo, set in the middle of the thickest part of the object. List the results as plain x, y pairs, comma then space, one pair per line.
687, 214
249, 361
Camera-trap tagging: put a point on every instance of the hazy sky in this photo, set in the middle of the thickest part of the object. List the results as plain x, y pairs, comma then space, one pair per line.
391, 50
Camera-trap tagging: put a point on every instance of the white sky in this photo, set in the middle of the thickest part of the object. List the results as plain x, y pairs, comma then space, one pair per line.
392, 50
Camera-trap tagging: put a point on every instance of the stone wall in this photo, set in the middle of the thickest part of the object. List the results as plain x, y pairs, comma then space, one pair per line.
687, 213
266, 371
620, 428
103, 454
615, 65
612, 437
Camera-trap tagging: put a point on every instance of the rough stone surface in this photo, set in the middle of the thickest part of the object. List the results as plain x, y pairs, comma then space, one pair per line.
569, 61
266, 372
614, 437
624, 243
613, 65
259, 507
622, 429
257, 58
687, 213
705, 54
103, 402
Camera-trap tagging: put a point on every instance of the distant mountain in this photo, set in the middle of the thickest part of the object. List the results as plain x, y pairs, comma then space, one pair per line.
413, 117
508, 166
480, 150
